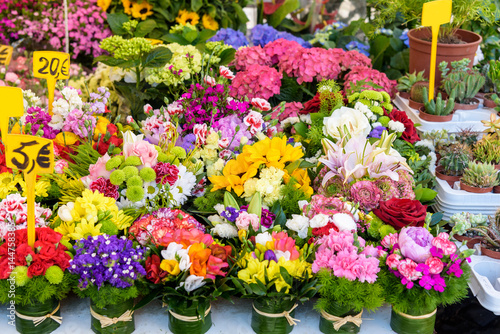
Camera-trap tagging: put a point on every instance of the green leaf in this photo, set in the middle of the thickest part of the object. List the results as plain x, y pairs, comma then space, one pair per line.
401, 60
146, 299
257, 290
227, 56
110, 61
397, 44
175, 38
240, 13
157, 57
301, 129
116, 22
196, 5
169, 16
190, 35
286, 8
286, 276
205, 34
377, 49
306, 164
436, 218
425, 194
145, 27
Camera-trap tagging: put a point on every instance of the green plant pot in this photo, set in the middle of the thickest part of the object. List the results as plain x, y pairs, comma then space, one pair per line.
113, 311
404, 325
48, 325
178, 326
266, 325
326, 326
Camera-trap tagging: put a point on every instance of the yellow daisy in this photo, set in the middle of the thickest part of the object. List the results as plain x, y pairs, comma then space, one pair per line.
66, 229
104, 4
41, 187
209, 23
8, 184
142, 10
90, 203
85, 229
187, 17
121, 220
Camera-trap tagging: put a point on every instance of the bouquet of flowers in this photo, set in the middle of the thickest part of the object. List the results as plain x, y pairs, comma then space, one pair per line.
34, 279
188, 270
109, 269
421, 273
276, 274
347, 273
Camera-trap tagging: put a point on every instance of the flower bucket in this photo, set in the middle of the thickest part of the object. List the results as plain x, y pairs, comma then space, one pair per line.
414, 323
340, 319
33, 319
273, 319
183, 319
117, 318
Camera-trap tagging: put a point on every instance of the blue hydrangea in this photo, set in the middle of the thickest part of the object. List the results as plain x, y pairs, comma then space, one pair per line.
290, 37
404, 37
358, 46
230, 37
263, 34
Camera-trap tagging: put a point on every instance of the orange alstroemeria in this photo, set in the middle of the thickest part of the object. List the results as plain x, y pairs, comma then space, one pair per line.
199, 256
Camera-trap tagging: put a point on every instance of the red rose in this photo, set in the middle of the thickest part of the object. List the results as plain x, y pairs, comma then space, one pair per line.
37, 268
22, 251
410, 134
61, 259
48, 235
311, 106
399, 212
153, 271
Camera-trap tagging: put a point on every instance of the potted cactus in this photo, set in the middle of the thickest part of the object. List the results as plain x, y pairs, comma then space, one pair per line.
453, 163
465, 82
464, 222
479, 178
488, 150
437, 110
416, 99
494, 76
406, 82
490, 240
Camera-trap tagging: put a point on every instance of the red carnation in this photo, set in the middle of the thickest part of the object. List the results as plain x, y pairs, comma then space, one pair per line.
166, 172
321, 231
48, 235
311, 106
22, 251
410, 134
37, 267
105, 187
153, 271
4, 268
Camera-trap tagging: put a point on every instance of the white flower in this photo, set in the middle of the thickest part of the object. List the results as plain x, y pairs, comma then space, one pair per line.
193, 282
225, 230
319, 220
425, 143
302, 204
129, 137
262, 238
396, 126
344, 221
306, 118
433, 158
130, 77
356, 123
353, 210
299, 224
290, 120
279, 254
64, 212
220, 208
116, 73
479, 56
183, 187
215, 219
184, 263
172, 249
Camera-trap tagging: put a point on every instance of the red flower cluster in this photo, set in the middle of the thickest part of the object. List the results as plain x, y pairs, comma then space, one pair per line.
105, 187
102, 146
321, 231
400, 213
166, 172
410, 134
3, 166
46, 253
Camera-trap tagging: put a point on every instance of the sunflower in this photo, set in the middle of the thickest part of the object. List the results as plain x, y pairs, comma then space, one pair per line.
85, 229
209, 22
187, 17
142, 10
127, 6
104, 4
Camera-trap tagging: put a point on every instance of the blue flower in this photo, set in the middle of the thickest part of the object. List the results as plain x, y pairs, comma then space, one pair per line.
230, 37
358, 46
290, 37
377, 132
404, 37
263, 34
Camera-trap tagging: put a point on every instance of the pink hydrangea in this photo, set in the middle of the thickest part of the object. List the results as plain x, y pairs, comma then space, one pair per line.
256, 81
311, 64
291, 110
247, 56
353, 58
359, 73
280, 47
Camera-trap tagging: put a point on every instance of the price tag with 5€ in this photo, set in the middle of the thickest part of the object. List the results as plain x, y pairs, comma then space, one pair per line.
51, 65
5, 54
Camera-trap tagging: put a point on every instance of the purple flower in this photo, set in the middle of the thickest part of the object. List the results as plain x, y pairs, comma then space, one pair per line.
426, 282
230, 37
455, 269
269, 255
267, 217
415, 243
439, 283
230, 214
377, 132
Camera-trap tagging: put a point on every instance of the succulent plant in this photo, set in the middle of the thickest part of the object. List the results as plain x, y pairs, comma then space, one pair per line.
462, 222
492, 127
405, 83
454, 162
491, 232
480, 175
465, 82
437, 106
417, 91
487, 150
467, 136
494, 74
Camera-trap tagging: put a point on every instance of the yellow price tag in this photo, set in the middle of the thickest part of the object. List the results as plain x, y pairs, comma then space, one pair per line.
12, 102
5, 54
434, 14
33, 155
154, 41
51, 65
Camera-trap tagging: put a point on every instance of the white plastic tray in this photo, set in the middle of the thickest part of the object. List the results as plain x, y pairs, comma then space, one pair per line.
461, 119
485, 282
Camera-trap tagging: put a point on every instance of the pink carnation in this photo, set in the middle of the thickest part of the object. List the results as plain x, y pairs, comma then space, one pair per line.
256, 81
247, 56
359, 73
408, 268
246, 219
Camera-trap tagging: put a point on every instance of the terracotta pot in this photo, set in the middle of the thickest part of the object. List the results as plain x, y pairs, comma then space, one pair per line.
420, 50
475, 105
490, 253
461, 237
488, 102
476, 190
496, 189
415, 105
433, 118
404, 95
450, 179
472, 242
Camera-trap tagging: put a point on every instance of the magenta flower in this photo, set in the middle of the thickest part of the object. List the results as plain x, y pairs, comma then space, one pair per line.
256, 81
247, 56
415, 243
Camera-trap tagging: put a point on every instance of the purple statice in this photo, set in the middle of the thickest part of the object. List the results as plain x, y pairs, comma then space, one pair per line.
232, 128
377, 132
187, 142
39, 120
80, 123
230, 214
358, 46
109, 260
231, 37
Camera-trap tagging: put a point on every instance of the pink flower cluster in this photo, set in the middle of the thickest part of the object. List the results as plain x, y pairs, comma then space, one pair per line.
105, 187
250, 55
338, 254
416, 256
320, 204
276, 49
14, 209
359, 73
292, 109
256, 81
